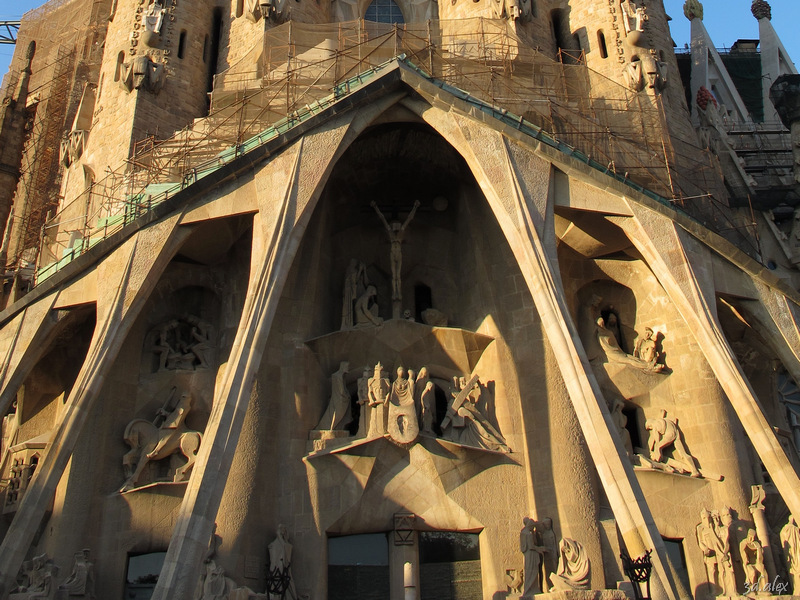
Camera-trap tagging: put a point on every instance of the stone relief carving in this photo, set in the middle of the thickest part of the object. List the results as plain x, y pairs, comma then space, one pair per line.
753, 561
355, 284
164, 437
615, 354
514, 581
72, 147
790, 543
337, 415
185, 343
35, 580
402, 424
466, 420
23, 466
573, 567
152, 21
665, 434
724, 558
80, 582
143, 73
396, 232
280, 583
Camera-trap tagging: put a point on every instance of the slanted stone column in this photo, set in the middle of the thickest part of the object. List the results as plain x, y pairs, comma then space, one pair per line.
129, 276
775, 61
682, 266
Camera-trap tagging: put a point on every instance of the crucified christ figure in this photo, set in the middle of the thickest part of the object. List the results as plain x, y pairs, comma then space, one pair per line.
396, 232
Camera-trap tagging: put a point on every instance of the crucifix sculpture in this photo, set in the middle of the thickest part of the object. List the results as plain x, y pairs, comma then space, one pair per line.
396, 231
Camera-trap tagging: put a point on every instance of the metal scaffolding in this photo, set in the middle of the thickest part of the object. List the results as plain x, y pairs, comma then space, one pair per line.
300, 64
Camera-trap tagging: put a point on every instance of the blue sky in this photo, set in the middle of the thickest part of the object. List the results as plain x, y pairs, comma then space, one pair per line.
726, 21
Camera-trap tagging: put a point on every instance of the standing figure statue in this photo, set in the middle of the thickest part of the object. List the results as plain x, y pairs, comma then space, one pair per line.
724, 558
280, 584
355, 284
396, 233
532, 552
338, 414
379, 388
790, 542
428, 407
710, 546
363, 403
550, 558
753, 562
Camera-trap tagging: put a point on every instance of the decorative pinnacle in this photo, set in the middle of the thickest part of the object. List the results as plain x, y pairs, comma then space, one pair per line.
693, 9
761, 10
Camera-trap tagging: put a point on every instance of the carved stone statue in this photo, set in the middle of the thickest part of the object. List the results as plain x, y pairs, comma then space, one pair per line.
367, 309
396, 232
573, 567
143, 73
615, 354
664, 432
620, 420
81, 581
152, 21
280, 584
428, 407
550, 557
201, 344
755, 574
363, 404
184, 344
724, 558
402, 423
379, 388
469, 425
692, 9
761, 9
355, 284
711, 547
634, 19
337, 415
790, 542
532, 552
162, 438
645, 348
37, 574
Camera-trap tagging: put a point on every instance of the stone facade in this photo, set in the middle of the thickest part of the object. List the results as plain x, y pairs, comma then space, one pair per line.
404, 343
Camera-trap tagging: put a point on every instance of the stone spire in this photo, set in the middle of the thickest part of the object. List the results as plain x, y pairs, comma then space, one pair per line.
761, 10
693, 9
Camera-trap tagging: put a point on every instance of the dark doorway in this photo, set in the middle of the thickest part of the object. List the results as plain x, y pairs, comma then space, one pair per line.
358, 567
450, 566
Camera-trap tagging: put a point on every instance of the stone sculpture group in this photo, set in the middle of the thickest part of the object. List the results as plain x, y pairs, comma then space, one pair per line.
549, 567
406, 407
